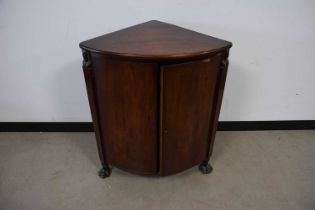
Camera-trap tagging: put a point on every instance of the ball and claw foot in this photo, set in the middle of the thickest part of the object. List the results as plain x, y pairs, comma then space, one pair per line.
205, 167
104, 172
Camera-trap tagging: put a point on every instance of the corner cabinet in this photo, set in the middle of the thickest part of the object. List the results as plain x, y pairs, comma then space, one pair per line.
155, 92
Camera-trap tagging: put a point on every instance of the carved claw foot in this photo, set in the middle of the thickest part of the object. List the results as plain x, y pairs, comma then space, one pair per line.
205, 167
104, 172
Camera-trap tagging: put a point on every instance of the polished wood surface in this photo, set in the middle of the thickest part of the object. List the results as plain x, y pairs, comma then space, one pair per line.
155, 92
189, 90
90, 86
156, 41
127, 93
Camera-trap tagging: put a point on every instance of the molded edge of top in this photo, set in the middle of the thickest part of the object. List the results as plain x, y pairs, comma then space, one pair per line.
157, 57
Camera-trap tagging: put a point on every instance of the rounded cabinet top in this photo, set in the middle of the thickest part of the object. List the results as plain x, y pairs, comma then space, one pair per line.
155, 41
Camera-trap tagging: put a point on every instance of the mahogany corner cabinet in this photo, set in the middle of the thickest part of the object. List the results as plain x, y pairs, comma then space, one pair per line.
155, 92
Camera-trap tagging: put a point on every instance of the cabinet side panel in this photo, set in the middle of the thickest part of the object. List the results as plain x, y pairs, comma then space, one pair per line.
218, 97
189, 90
127, 93
90, 87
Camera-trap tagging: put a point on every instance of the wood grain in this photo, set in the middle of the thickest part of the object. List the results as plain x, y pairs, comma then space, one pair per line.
156, 41
127, 93
188, 100
155, 92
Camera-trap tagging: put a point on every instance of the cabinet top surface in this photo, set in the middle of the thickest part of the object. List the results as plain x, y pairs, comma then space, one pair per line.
155, 40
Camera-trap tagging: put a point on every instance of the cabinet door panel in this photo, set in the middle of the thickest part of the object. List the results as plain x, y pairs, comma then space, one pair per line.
188, 100
127, 94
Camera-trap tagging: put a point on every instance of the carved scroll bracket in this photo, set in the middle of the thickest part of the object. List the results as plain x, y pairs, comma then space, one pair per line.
86, 60
223, 64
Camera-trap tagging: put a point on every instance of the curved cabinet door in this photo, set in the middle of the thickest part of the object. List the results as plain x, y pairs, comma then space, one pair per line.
188, 100
127, 95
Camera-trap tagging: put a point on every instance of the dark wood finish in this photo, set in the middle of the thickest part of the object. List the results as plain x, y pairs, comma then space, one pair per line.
90, 87
189, 90
155, 92
218, 101
127, 93
156, 41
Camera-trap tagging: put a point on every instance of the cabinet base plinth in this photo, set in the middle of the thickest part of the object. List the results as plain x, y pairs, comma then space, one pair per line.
205, 167
104, 172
